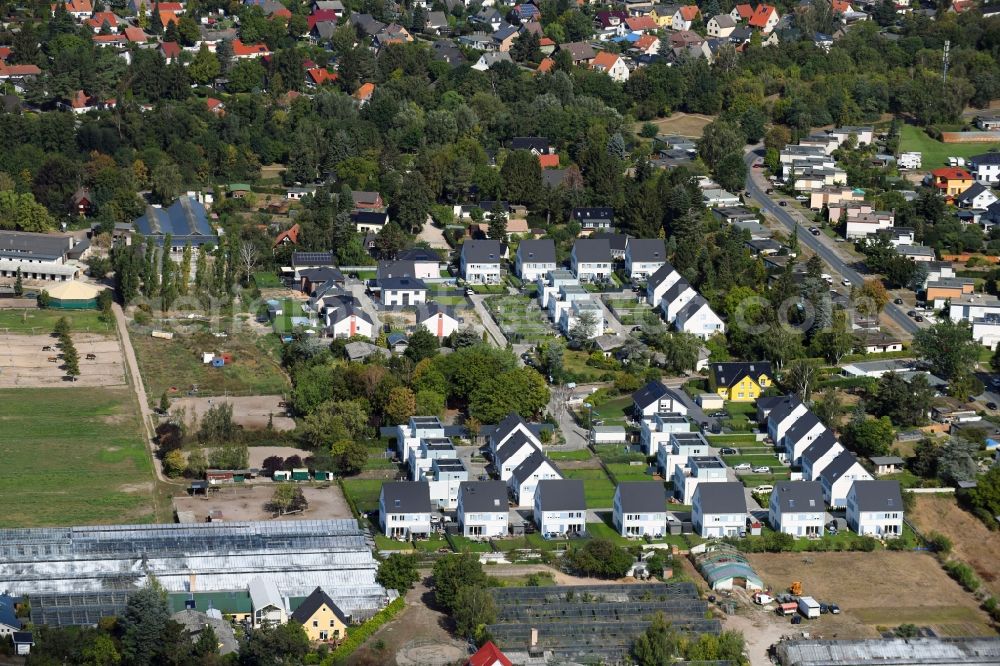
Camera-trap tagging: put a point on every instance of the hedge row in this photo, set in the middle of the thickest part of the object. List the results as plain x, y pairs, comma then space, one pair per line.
356, 636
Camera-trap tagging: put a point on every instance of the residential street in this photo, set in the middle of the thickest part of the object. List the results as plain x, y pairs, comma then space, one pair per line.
499, 339
755, 189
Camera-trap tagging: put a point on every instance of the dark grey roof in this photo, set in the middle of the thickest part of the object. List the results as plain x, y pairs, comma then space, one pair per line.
618, 241
783, 408
482, 251
561, 495
730, 373
802, 426
878, 495
367, 23
401, 268
406, 496
419, 254
724, 21
649, 393
537, 251
369, 217
312, 259
692, 307
313, 602
554, 177
579, 50
37, 246
661, 274
483, 496
820, 446
592, 250
642, 497
513, 445
537, 143
838, 467
986, 158
322, 274
886, 460
504, 32
675, 290
429, 310
647, 249
584, 214
797, 496
529, 465
507, 425
721, 497
405, 283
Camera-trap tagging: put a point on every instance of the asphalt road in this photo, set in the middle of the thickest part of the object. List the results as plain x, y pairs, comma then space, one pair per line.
825, 253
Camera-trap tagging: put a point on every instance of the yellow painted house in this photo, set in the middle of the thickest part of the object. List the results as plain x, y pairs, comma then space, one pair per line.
741, 382
321, 618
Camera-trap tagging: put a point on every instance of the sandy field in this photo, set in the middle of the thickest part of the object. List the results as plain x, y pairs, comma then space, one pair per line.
326, 502
24, 363
251, 412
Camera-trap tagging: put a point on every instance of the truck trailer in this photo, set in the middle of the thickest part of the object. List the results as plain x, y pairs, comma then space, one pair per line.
808, 607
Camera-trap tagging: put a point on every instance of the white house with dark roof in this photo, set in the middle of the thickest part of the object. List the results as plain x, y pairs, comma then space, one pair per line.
644, 256
560, 507
698, 318
590, 259
838, 477
662, 279
404, 509
797, 439
675, 298
346, 319
514, 450
978, 196
655, 397
483, 509
797, 508
783, 415
594, 218
875, 508
719, 509
526, 476
402, 291
480, 261
640, 509
511, 425
985, 168
535, 258
819, 454
437, 319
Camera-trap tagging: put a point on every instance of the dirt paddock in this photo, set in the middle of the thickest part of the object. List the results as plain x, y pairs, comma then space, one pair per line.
875, 591
251, 412
246, 502
24, 364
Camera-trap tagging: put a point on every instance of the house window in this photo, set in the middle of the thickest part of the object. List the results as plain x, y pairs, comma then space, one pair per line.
315, 623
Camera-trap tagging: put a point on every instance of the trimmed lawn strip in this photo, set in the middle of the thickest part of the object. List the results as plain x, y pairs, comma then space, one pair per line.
597, 487
364, 493
42, 321
577, 455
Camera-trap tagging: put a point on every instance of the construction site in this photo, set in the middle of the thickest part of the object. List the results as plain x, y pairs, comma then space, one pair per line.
591, 622
77, 568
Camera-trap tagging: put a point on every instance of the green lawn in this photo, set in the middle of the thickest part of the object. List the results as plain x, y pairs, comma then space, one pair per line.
733, 438
519, 317
754, 480
579, 454
626, 472
634, 313
266, 280
597, 487
450, 300
616, 453
40, 322
465, 545
935, 153
755, 459
176, 364
575, 362
73, 456
614, 410
364, 493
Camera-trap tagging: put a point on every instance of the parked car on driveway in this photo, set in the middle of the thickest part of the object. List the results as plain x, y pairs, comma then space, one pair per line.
726, 451
742, 467
762, 469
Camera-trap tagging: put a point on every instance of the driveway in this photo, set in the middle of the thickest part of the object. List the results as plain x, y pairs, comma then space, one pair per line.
499, 339
357, 289
755, 190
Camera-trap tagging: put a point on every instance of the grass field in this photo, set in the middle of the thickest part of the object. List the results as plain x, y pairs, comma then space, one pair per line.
614, 410
520, 316
578, 455
597, 487
364, 493
575, 363
690, 125
935, 153
176, 363
43, 321
632, 313
73, 457
626, 472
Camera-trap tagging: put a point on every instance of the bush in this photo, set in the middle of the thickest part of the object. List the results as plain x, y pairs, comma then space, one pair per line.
939, 543
964, 574
648, 131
